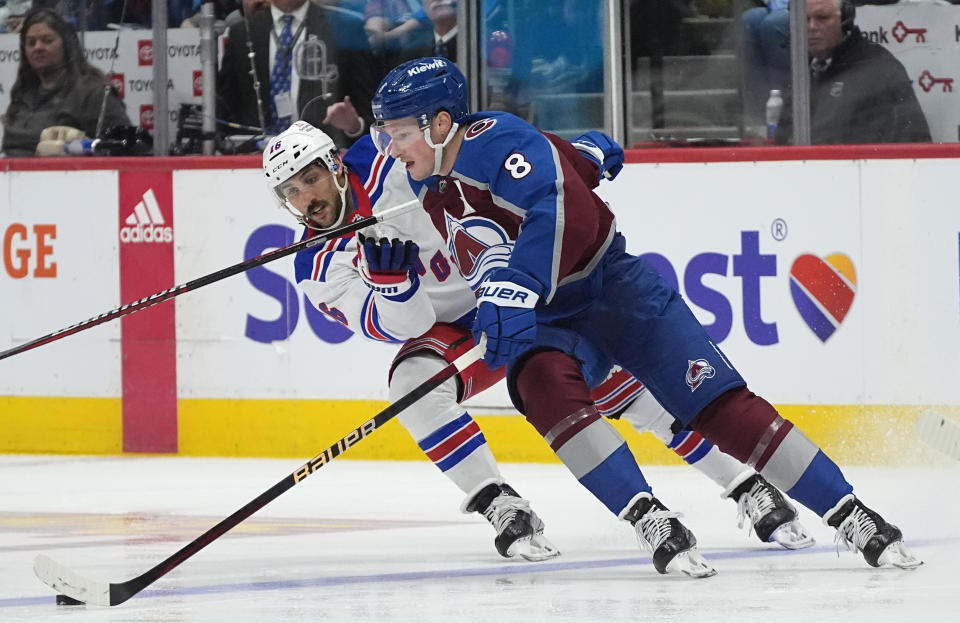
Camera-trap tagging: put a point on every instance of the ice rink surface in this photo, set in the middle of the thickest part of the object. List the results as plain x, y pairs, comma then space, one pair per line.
378, 541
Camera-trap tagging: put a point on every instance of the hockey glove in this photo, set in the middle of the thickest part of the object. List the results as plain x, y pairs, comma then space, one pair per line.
388, 267
602, 151
505, 313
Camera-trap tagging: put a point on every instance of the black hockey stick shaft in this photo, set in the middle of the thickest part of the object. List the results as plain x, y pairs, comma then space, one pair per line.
223, 273
121, 592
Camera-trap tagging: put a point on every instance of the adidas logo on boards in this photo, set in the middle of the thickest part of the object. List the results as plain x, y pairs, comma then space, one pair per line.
146, 223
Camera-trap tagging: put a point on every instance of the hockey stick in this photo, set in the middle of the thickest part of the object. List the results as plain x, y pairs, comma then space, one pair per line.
166, 295
939, 432
74, 585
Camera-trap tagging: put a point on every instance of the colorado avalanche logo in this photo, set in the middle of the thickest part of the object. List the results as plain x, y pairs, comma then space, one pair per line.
697, 372
477, 245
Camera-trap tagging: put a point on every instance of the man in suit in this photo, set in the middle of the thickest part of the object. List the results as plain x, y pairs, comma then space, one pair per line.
312, 63
859, 92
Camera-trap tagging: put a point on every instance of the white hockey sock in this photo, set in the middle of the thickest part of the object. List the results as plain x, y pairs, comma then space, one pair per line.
446, 433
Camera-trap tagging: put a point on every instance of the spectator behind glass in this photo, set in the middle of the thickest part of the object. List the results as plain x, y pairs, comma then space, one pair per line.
333, 95
859, 93
393, 26
558, 51
431, 30
11, 14
766, 55
139, 12
442, 14
55, 86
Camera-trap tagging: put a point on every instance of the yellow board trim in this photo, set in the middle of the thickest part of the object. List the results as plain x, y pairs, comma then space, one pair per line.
41, 424
850, 434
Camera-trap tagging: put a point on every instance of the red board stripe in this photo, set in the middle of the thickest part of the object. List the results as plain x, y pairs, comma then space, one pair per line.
148, 338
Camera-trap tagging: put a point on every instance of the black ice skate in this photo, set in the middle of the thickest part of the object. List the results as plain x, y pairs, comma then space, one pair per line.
674, 547
519, 530
864, 530
773, 518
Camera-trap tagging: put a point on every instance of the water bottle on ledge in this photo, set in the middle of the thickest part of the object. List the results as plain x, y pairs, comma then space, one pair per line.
774, 106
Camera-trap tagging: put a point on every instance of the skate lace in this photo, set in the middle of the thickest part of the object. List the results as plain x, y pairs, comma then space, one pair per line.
503, 509
854, 531
654, 528
754, 504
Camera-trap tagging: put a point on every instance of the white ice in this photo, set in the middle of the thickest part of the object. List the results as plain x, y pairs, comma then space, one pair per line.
378, 541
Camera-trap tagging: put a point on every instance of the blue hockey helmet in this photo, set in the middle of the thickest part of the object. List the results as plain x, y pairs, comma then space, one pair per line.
421, 88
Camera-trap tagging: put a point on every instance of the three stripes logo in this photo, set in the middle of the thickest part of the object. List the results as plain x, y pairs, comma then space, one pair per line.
146, 223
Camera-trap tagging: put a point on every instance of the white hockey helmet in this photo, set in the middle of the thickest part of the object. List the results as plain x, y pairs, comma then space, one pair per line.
293, 149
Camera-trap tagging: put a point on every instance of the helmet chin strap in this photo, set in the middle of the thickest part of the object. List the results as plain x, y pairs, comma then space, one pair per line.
308, 222
438, 149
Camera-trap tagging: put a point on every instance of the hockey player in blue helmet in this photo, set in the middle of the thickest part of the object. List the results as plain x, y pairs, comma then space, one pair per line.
560, 300
414, 99
413, 96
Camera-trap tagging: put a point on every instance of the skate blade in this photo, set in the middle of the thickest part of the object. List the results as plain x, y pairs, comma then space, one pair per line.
792, 535
691, 563
533, 549
897, 555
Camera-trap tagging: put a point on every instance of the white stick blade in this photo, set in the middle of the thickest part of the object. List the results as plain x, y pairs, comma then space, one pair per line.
69, 583
939, 432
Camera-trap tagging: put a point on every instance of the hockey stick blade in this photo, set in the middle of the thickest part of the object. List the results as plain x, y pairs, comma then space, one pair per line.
175, 291
74, 585
70, 583
939, 432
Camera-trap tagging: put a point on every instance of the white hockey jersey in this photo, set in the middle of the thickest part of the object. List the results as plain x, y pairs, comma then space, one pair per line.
329, 273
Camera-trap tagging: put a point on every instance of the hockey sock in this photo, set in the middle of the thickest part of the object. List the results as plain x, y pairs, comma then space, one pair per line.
706, 458
556, 401
446, 433
460, 451
748, 428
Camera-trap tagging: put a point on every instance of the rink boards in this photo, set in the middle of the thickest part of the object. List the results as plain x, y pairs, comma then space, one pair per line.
830, 277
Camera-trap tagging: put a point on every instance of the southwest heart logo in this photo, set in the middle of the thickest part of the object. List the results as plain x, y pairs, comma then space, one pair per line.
823, 291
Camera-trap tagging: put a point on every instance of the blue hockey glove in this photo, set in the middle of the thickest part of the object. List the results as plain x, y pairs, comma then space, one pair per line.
602, 151
388, 267
505, 313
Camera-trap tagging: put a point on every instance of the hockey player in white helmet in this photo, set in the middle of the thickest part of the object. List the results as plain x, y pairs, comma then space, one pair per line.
405, 294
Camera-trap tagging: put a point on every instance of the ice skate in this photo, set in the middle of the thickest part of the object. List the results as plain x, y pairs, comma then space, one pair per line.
861, 529
771, 516
519, 530
674, 547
